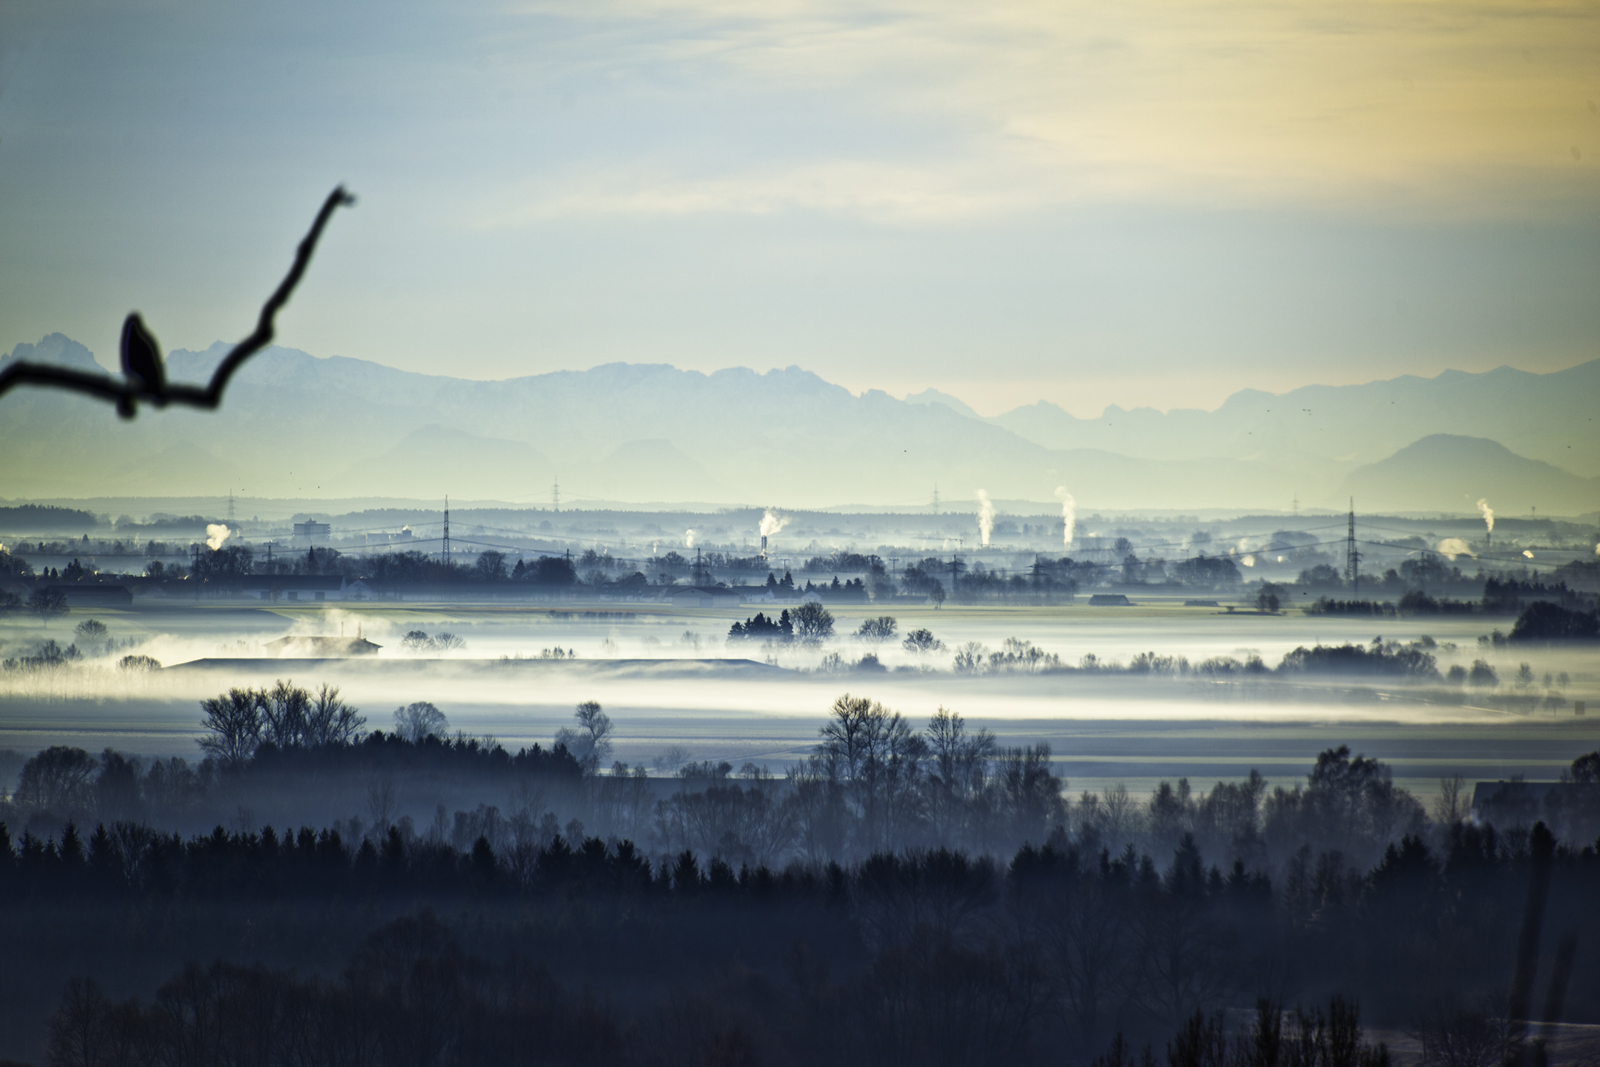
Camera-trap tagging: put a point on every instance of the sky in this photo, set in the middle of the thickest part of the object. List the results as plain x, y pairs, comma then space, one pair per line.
1146, 203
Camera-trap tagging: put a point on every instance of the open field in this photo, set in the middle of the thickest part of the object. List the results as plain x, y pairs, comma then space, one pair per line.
670, 681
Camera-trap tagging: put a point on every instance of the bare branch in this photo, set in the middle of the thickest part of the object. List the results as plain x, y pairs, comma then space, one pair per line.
126, 393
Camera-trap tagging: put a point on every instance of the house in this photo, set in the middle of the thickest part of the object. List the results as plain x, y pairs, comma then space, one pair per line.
322, 647
694, 596
1110, 600
762, 594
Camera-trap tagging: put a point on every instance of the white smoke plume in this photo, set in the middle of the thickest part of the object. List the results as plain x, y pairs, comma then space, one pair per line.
1069, 514
216, 533
688, 539
1248, 561
772, 522
1453, 547
985, 516
1488, 514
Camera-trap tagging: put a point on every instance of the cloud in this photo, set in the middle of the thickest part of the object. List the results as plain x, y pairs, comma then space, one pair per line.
954, 108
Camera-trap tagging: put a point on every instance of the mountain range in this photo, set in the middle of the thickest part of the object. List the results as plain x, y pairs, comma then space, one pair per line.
297, 425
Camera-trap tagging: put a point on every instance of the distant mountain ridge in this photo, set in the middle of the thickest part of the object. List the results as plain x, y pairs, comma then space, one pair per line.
297, 425
1550, 417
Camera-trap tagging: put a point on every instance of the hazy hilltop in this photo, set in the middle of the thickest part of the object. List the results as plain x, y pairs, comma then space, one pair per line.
297, 425
1461, 470
1549, 417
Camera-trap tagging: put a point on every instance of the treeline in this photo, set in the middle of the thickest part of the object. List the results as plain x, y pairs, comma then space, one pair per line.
28, 518
874, 782
935, 896
858, 578
1506, 597
411, 994
919, 957
289, 750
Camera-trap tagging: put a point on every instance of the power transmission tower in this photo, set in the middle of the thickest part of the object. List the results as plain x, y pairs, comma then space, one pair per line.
230, 509
1352, 558
269, 546
447, 530
1297, 504
555, 495
936, 498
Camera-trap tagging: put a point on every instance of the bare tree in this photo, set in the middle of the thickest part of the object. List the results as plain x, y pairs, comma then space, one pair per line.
590, 742
969, 658
233, 725
878, 630
419, 721
47, 603
56, 779
382, 805
330, 721
1448, 806
812, 622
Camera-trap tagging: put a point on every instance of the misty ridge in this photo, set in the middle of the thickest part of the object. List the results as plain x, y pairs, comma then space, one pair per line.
938, 897
346, 427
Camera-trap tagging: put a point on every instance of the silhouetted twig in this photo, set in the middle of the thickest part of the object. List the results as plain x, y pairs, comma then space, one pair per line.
152, 387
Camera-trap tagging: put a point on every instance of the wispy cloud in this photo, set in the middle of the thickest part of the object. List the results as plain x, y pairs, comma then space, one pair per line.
1390, 105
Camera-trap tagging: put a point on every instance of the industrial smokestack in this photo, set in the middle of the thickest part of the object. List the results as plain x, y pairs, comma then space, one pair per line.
1069, 514
771, 523
1488, 520
985, 516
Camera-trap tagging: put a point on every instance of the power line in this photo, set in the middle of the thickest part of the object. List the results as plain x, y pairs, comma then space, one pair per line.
1352, 557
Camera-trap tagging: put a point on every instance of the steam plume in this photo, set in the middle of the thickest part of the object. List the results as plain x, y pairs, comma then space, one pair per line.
688, 539
772, 522
1453, 547
985, 516
1488, 514
216, 533
1069, 514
